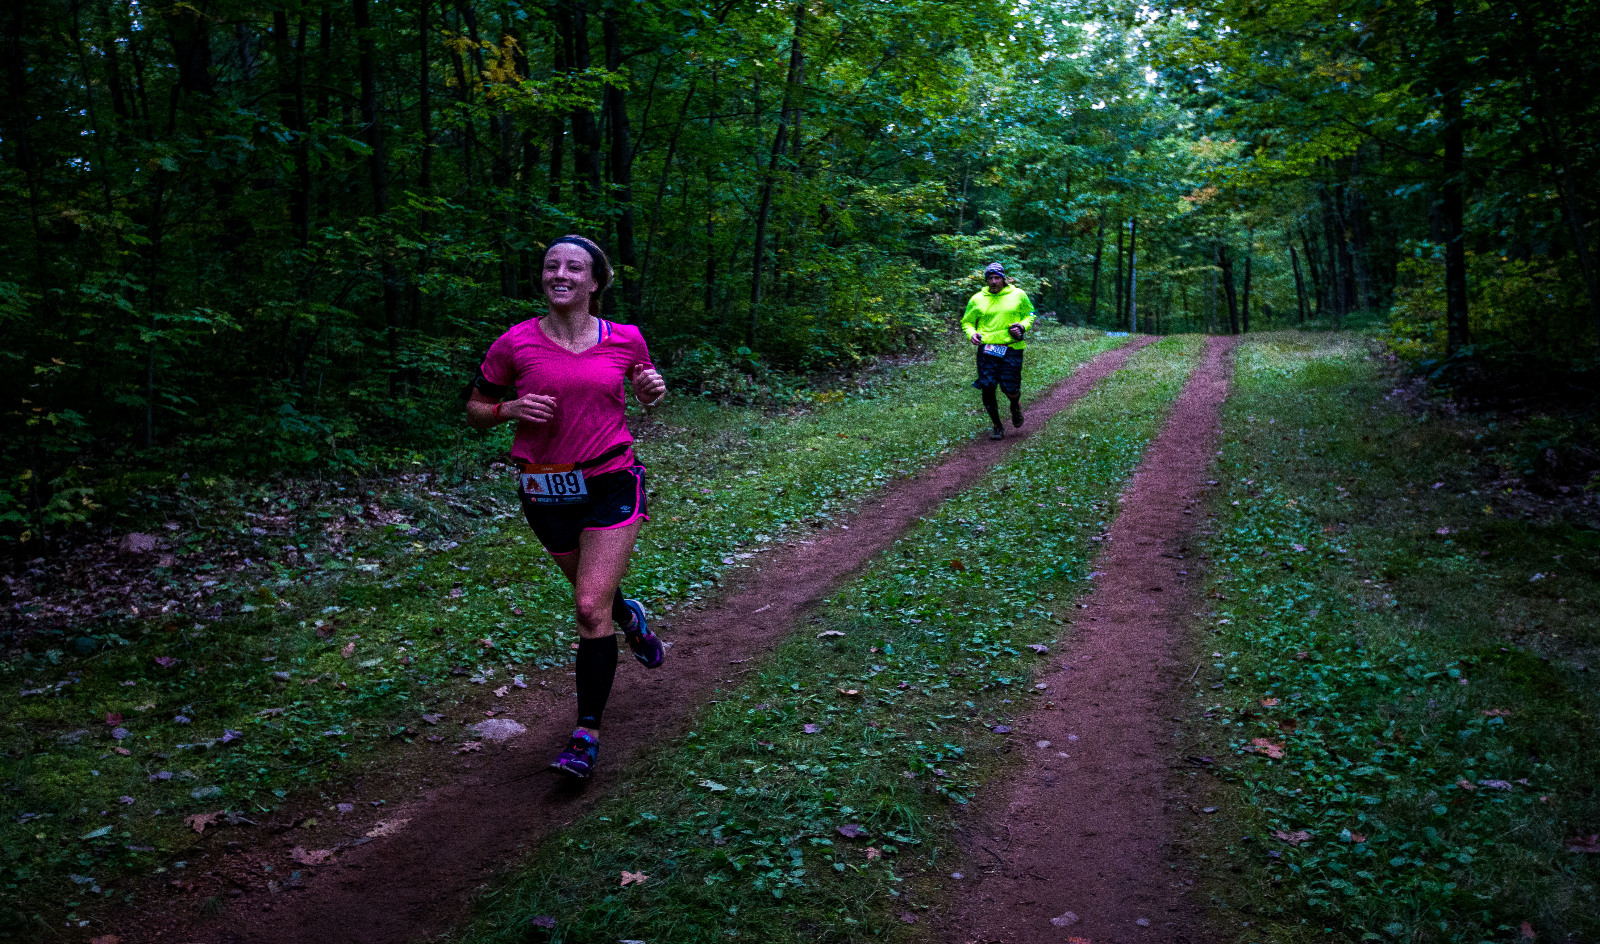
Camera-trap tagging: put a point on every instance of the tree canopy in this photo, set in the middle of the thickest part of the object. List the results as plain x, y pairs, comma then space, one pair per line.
255, 236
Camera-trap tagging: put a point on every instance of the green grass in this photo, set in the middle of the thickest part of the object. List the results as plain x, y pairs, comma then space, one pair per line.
414, 604
899, 679
1427, 638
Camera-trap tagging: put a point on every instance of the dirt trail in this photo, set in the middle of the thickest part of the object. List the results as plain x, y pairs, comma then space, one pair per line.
1084, 827
419, 876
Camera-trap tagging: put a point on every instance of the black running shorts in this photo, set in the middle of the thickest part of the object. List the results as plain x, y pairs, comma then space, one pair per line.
1004, 371
616, 500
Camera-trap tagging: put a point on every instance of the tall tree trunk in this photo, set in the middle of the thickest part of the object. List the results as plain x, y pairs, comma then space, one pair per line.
711, 205
791, 87
378, 170
1332, 241
1451, 207
1228, 289
1356, 219
1299, 281
1121, 285
661, 184
622, 165
1094, 279
1244, 303
1555, 150
1133, 275
1309, 245
585, 131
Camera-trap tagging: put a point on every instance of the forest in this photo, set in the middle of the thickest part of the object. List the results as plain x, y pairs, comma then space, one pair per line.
269, 237
1273, 620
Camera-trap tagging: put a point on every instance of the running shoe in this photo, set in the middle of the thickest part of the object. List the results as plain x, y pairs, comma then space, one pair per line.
647, 648
1016, 414
578, 760
997, 433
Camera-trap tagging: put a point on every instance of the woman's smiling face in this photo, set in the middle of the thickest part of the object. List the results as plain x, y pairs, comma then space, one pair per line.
568, 275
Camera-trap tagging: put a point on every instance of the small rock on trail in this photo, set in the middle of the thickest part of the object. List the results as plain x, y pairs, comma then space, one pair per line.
497, 729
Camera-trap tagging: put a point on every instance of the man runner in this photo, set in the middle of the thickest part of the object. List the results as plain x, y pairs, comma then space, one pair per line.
561, 379
995, 320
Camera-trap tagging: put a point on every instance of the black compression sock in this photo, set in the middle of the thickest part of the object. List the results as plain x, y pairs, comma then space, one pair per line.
597, 667
991, 404
620, 614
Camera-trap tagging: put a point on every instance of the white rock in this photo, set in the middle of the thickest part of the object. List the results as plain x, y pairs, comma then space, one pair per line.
497, 729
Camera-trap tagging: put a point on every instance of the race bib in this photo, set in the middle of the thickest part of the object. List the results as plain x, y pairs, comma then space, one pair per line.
998, 350
553, 484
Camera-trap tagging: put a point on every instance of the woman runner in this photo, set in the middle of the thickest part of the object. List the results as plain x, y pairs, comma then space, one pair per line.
995, 321
560, 379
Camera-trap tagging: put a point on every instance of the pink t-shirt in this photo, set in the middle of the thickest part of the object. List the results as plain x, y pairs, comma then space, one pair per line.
590, 391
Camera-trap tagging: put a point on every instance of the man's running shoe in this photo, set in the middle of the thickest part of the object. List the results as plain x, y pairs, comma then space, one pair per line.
997, 433
647, 648
1016, 414
579, 758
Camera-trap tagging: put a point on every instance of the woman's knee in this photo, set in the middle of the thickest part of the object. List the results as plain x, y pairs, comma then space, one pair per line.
594, 615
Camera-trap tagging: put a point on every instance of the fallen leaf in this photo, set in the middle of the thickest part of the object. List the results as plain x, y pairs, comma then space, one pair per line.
1269, 702
119, 733
849, 692
908, 918
632, 878
199, 821
105, 939
1038, 647
1466, 784
1495, 784
123, 751
312, 857
469, 747
1589, 843
850, 831
1528, 933
1077, 940
957, 565
386, 828
829, 632
433, 719
1065, 920
1497, 713
486, 642
713, 786
113, 718
348, 650
873, 852
1295, 838
1001, 729
1302, 656
1264, 746
542, 921
501, 691
1358, 837
166, 662
811, 729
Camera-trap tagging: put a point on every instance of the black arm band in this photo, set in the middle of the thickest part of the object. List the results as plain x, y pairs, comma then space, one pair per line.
493, 391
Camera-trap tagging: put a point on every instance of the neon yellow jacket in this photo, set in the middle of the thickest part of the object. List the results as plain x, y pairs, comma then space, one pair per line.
992, 314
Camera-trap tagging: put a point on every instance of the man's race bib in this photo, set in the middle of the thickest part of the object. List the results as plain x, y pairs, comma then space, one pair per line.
553, 484
998, 350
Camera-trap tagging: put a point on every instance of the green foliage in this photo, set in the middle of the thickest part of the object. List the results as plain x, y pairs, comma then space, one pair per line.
1412, 638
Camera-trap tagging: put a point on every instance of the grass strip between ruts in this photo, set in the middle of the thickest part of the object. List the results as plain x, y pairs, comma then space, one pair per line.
1398, 700
809, 794
312, 681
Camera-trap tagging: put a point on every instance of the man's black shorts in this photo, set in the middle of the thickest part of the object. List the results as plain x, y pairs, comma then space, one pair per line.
616, 500
1005, 371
